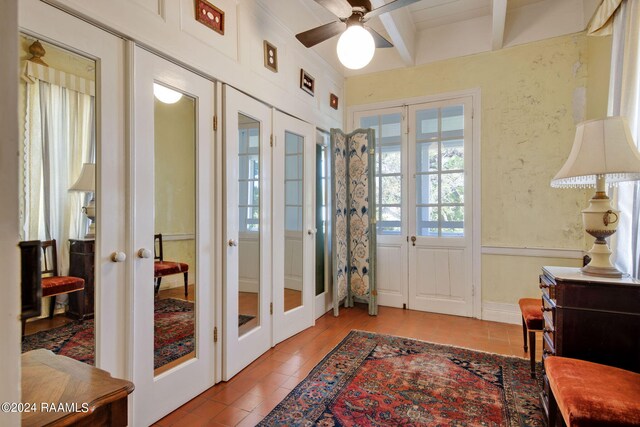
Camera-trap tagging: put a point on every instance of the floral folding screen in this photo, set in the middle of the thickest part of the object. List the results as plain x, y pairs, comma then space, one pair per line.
354, 231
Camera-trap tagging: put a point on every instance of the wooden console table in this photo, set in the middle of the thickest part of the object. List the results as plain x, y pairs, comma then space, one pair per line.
82, 264
590, 318
51, 381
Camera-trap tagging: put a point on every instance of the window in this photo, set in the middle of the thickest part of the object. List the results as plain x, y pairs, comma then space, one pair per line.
249, 179
294, 145
388, 158
440, 171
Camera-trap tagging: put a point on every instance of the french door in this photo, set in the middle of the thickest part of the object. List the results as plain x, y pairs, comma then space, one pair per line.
172, 170
424, 204
269, 229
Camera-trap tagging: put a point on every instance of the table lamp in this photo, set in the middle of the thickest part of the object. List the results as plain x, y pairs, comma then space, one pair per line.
86, 182
603, 153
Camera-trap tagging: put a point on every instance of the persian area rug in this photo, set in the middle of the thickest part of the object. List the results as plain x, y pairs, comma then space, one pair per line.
382, 380
173, 324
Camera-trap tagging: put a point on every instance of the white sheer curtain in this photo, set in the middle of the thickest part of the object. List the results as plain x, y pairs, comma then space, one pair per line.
624, 100
59, 138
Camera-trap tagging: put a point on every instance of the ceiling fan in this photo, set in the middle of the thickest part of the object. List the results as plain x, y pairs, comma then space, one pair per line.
356, 44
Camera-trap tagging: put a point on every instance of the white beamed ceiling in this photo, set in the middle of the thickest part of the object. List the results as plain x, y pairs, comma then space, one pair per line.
433, 30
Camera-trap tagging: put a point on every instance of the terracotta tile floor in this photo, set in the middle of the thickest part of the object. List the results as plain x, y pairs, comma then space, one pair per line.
254, 392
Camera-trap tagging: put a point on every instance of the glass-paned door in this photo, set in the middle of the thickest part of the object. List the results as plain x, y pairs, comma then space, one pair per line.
440, 251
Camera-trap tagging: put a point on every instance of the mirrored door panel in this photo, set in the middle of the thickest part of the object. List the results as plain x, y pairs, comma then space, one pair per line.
74, 140
294, 228
293, 232
57, 200
174, 234
247, 287
173, 309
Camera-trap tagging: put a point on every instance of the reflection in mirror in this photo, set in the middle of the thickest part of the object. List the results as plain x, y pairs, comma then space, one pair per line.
175, 228
293, 234
323, 241
57, 182
248, 223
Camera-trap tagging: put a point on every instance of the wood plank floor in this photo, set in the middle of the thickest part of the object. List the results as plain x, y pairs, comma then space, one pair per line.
254, 392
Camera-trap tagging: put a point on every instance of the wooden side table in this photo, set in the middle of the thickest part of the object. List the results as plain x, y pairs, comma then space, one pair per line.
82, 264
92, 395
590, 318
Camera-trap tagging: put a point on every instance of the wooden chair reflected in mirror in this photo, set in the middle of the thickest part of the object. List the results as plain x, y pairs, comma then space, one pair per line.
51, 284
162, 268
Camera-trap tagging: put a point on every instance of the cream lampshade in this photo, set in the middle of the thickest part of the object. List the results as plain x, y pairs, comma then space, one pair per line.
86, 182
603, 153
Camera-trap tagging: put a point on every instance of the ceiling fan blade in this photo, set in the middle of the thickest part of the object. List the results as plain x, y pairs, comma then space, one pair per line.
397, 4
319, 34
340, 8
378, 39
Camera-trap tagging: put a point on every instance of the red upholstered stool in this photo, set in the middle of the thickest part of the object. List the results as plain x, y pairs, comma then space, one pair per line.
590, 395
532, 322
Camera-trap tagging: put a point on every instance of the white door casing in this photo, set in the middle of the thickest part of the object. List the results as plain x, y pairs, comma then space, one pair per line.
416, 269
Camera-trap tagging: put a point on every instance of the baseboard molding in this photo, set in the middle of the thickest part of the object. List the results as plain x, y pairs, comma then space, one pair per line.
501, 312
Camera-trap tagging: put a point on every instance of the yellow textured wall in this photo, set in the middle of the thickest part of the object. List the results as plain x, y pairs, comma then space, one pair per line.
532, 96
175, 188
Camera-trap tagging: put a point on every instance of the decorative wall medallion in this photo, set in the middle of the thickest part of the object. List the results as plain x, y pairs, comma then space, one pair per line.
307, 83
333, 101
270, 56
209, 15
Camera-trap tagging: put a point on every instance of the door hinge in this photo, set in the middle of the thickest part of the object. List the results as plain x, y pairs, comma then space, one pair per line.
407, 238
215, 334
215, 122
271, 140
270, 308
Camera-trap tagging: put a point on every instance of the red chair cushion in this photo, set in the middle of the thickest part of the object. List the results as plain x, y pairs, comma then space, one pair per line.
590, 394
166, 268
531, 309
61, 285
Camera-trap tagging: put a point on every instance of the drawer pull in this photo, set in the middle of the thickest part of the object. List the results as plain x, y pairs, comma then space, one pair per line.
547, 330
549, 352
543, 285
543, 308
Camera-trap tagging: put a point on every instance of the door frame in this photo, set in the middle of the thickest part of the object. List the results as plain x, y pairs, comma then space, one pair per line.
476, 119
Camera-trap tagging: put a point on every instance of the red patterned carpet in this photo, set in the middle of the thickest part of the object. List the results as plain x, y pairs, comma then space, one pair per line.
382, 380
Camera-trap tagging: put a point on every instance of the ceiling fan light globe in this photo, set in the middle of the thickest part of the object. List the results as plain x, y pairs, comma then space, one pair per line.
166, 95
355, 47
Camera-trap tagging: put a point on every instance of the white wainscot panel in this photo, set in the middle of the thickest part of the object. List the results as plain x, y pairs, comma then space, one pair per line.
153, 6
